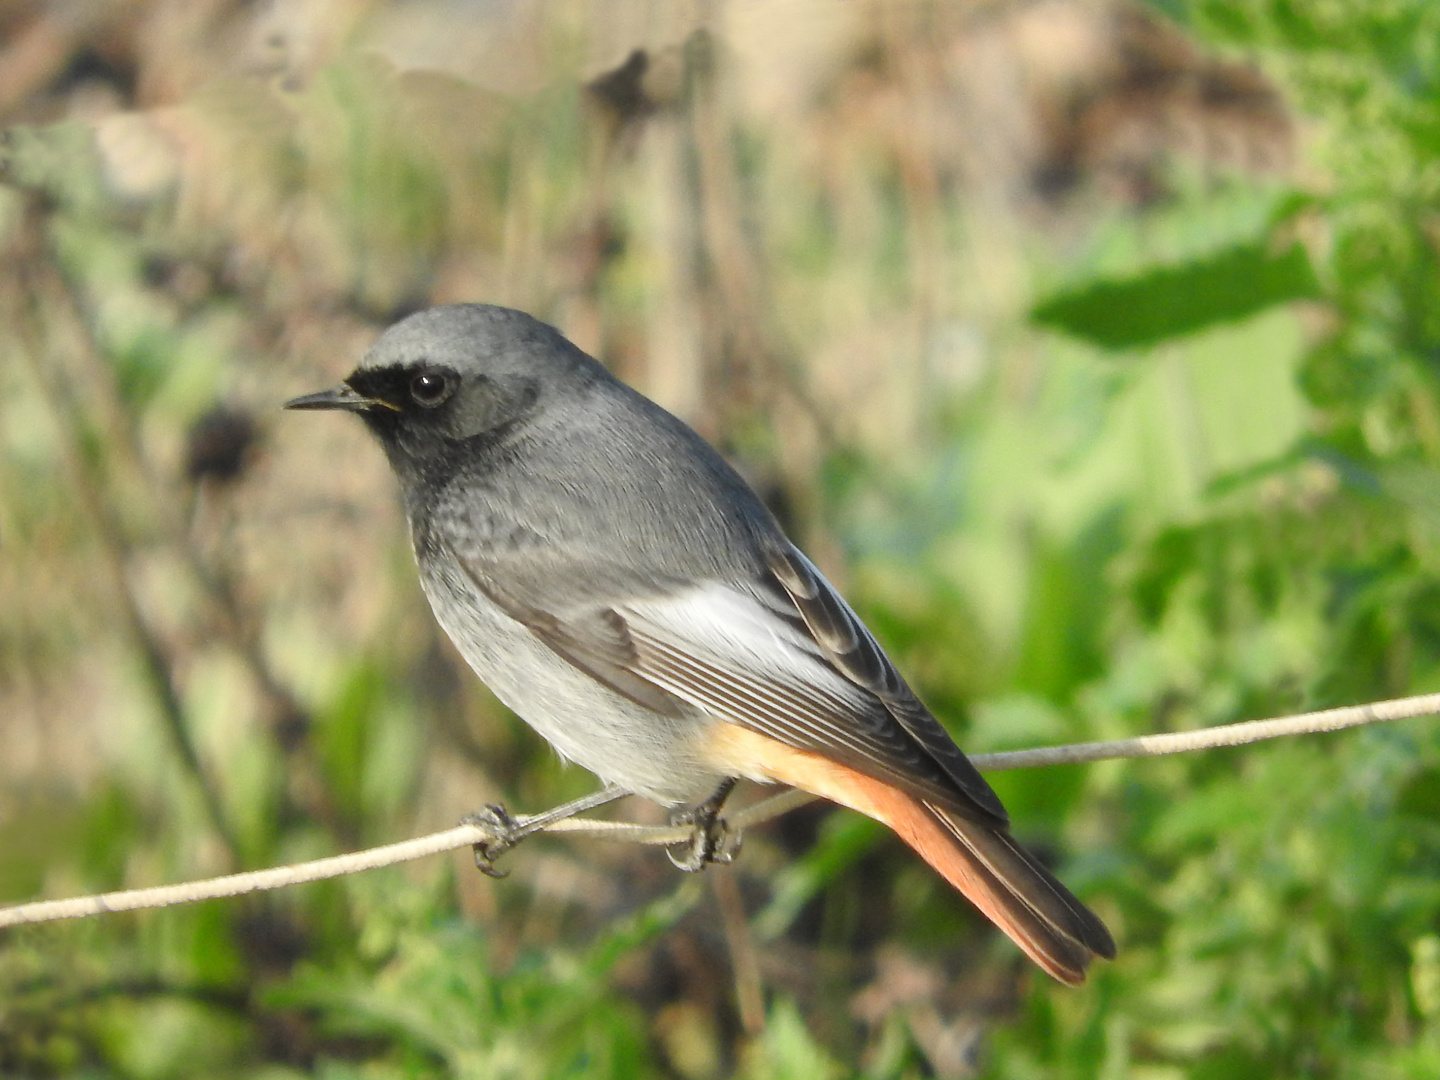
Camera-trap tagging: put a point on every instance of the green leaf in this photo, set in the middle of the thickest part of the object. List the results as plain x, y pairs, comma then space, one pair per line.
1171, 301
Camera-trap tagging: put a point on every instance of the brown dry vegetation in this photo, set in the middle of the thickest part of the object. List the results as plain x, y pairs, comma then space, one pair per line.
814, 230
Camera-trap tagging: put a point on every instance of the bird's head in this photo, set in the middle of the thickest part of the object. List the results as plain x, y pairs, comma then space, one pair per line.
451, 375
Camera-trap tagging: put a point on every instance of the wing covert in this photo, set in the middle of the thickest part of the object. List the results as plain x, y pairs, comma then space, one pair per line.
782, 655
849, 645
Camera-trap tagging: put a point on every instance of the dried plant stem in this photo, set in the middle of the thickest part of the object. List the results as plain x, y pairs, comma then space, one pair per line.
468, 835
86, 481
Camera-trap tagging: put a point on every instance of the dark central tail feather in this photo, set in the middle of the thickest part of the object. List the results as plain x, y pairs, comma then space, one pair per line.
1007, 883
1059, 932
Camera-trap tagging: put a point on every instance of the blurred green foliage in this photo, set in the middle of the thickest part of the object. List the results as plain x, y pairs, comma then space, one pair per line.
1174, 301
1141, 470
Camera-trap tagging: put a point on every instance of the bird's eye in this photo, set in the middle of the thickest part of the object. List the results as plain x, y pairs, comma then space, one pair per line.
430, 388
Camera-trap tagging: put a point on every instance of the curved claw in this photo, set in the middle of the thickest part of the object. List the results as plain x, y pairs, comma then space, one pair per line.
504, 833
485, 861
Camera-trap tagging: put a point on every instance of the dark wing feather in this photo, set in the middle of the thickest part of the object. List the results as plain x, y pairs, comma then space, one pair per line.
822, 685
825, 716
849, 645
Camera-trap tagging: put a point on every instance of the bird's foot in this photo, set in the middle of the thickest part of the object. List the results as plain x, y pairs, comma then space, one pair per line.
711, 839
504, 830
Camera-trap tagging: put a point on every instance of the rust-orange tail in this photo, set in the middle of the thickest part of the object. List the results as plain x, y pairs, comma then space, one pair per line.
983, 862
1001, 878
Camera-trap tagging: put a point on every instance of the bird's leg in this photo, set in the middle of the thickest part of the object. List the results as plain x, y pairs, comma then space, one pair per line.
506, 830
711, 840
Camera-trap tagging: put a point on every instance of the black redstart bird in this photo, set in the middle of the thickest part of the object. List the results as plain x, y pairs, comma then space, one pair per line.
618, 586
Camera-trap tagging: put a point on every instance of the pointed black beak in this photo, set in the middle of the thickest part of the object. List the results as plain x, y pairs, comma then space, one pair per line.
342, 397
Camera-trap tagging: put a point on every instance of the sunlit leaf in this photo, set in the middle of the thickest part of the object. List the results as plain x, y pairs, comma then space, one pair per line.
1171, 301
